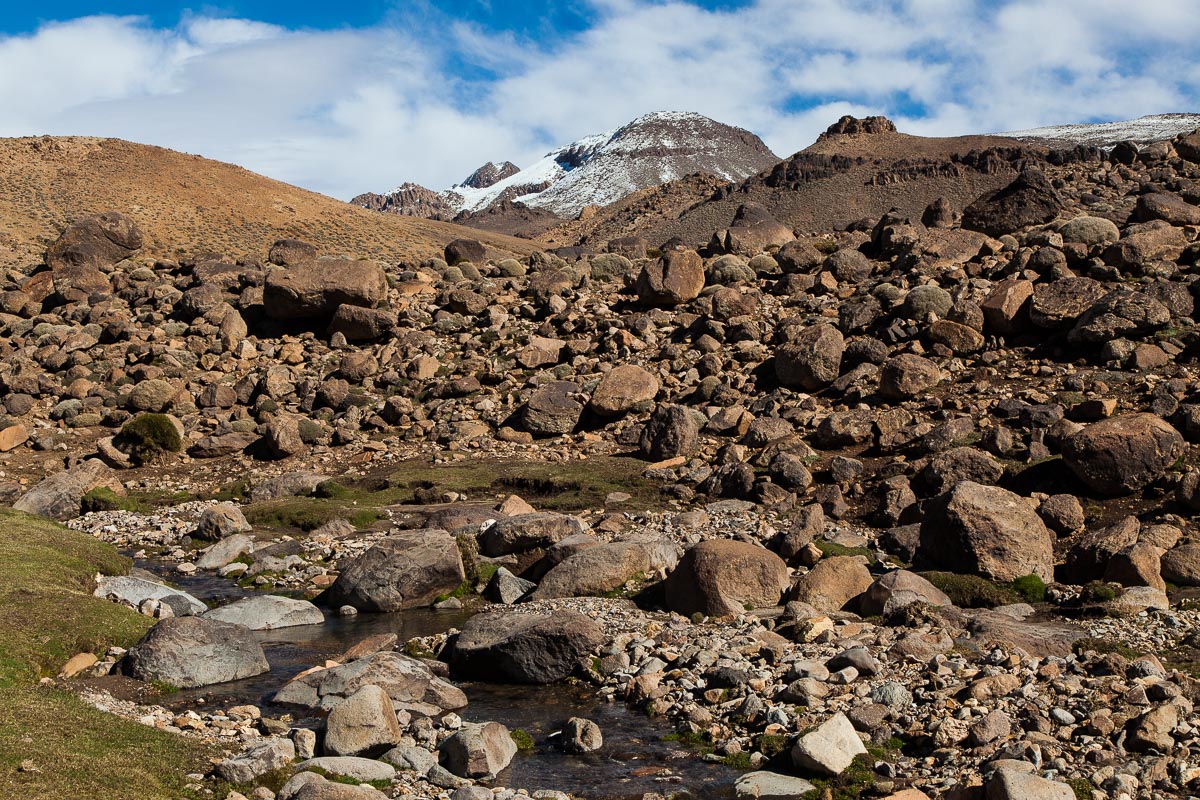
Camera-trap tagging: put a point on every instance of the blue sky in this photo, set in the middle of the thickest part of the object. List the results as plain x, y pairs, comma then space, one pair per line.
356, 96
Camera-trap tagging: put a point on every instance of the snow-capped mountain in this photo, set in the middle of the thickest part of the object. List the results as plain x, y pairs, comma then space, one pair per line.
1153, 128
603, 168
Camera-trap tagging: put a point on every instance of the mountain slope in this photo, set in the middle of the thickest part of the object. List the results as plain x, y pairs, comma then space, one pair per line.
856, 169
603, 168
1152, 128
186, 204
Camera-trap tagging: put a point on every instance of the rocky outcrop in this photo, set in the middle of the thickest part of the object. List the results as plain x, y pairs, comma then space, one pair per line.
190, 651
402, 571
523, 648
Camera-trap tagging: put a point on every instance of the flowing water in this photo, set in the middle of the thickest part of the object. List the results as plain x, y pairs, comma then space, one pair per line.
635, 758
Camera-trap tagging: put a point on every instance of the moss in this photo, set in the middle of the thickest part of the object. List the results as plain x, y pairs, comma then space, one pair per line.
971, 591
522, 739
771, 745
1082, 788
740, 760
1104, 646
101, 498
365, 518
148, 437
464, 589
857, 781
331, 490
1099, 592
1030, 587
831, 549
238, 490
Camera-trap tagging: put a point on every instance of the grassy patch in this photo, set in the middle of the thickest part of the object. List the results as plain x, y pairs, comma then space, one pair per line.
46, 580
1031, 588
971, 591
308, 513
1103, 646
858, 780
831, 549
1082, 788
522, 739
46, 583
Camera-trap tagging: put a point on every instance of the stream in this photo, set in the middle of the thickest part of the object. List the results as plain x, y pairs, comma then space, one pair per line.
634, 760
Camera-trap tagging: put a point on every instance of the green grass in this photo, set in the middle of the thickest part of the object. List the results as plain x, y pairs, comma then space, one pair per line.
832, 549
1031, 588
308, 513
971, 591
522, 739
1103, 646
148, 437
46, 574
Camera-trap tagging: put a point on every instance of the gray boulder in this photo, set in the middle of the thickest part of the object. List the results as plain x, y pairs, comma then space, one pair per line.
315, 289
722, 576
1122, 454
408, 682
249, 765
830, 748
406, 570
763, 785
221, 521
478, 751
59, 496
268, 612
524, 648
581, 735
523, 532
190, 651
132, 592
364, 724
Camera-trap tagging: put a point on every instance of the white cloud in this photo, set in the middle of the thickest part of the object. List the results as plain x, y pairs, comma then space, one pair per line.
427, 98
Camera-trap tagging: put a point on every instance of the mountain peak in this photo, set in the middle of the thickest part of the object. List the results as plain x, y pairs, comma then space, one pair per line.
600, 169
849, 125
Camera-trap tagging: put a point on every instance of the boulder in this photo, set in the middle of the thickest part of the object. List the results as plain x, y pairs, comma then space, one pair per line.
225, 552
897, 589
988, 531
1181, 565
187, 652
524, 648
315, 289
95, 242
59, 496
405, 570
624, 388
1006, 308
721, 576
311, 786
267, 612
676, 277
220, 521
364, 724
1015, 784
832, 583
408, 682
1122, 312
1091, 232
132, 592
671, 432
361, 324
764, 785
1028, 200
830, 748
906, 376
1120, 455
523, 532
1059, 304
479, 751
461, 250
594, 571
552, 409
251, 764
812, 360
505, 587
291, 253
581, 735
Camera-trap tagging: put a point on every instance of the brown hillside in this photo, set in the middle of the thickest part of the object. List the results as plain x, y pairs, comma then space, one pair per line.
185, 204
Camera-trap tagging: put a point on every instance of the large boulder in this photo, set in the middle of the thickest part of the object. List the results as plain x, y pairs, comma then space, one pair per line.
1028, 200
988, 531
623, 388
480, 751
522, 532
311, 786
595, 571
753, 230
832, 583
220, 521
257, 760
906, 376
1060, 303
315, 289
673, 279
59, 496
524, 648
363, 724
410, 684
671, 432
187, 652
552, 409
132, 591
812, 360
897, 589
830, 748
721, 576
268, 612
94, 242
1121, 312
402, 571
1122, 454
1181, 565
461, 250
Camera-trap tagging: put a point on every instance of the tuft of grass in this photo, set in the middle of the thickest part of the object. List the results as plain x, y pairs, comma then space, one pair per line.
740, 761
971, 591
522, 739
831, 549
1099, 592
1031, 588
1082, 788
1104, 646
148, 437
857, 781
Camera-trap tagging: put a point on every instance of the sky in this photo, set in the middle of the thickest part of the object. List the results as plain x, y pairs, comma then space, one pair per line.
358, 96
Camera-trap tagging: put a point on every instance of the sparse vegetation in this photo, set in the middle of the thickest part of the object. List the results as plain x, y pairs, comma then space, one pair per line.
149, 437
972, 591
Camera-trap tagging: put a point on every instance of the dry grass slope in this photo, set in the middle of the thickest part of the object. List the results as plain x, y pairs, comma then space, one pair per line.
186, 205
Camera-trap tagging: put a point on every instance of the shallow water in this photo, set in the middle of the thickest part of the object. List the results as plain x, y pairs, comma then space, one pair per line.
633, 761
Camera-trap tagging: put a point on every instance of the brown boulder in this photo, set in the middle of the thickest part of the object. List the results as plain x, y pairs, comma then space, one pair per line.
622, 389
812, 360
315, 289
721, 576
832, 583
1028, 200
93, 242
673, 279
1122, 454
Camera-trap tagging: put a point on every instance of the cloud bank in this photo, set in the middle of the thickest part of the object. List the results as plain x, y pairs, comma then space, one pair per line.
427, 98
